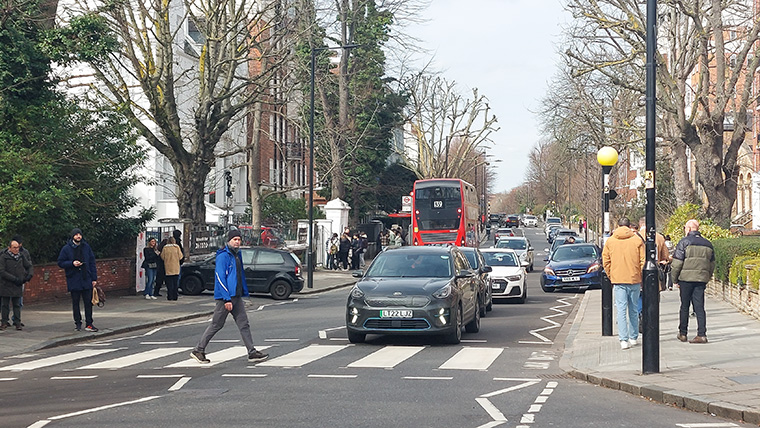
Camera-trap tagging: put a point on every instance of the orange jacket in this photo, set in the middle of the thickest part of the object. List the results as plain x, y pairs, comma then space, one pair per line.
623, 256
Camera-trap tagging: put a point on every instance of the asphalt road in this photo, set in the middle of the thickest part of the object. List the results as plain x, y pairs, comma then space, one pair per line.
505, 375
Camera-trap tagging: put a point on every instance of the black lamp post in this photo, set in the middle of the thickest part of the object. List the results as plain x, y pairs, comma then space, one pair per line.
310, 237
607, 158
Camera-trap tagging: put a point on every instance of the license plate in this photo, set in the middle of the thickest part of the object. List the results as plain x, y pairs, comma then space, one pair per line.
495, 286
571, 279
396, 313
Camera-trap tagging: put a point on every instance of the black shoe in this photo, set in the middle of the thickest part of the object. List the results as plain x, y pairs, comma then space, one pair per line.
91, 328
157, 295
18, 326
200, 357
4, 325
257, 356
78, 328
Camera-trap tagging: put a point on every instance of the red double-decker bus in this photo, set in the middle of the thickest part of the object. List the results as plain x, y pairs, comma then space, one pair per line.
444, 211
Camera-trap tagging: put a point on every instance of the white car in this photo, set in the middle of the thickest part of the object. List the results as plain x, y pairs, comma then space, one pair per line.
508, 277
530, 220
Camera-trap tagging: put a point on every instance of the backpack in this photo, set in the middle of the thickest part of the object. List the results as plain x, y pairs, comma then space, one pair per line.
333, 249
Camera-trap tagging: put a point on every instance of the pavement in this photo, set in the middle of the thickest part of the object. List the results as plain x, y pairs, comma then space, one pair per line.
48, 325
721, 377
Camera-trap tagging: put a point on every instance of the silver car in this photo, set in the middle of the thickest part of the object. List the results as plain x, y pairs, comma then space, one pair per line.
522, 248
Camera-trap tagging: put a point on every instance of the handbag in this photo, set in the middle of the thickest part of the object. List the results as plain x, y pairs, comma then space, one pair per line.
98, 297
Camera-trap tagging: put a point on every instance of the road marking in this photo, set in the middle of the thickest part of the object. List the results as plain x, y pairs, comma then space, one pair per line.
472, 359
130, 360
492, 411
492, 424
106, 407
554, 324
39, 424
428, 377
73, 377
6, 379
158, 376
528, 418
510, 389
168, 342
339, 339
154, 331
352, 376
541, 399
708, 425
474, 341
281, 340
540, 360
243, 375
387, 357
216, 357
59, 359
323, 333
225, 340
180, 383
534, 408
303, 356
262, 307
513, 379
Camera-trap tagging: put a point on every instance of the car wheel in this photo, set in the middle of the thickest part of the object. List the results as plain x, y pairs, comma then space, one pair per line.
192, 285
354, 337
474, 325
455, 336
547, 289
524, 296
482, 308
280, 290
489, 305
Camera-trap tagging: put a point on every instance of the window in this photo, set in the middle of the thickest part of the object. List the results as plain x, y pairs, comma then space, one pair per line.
247, 256
269, 258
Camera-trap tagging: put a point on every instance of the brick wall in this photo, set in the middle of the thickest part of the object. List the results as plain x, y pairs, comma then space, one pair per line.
115, 276
744, 299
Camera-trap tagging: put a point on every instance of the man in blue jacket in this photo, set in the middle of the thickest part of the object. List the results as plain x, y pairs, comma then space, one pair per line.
229, 289
78, 261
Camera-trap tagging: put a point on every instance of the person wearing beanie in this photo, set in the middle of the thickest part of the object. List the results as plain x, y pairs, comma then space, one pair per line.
78, 261
229, 289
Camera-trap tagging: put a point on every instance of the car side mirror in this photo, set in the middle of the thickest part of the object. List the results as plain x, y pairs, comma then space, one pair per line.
487, 269
464, 273
357, 274
546, 259
530, 248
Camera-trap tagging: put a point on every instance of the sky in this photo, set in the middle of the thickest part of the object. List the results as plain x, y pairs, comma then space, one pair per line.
508, 50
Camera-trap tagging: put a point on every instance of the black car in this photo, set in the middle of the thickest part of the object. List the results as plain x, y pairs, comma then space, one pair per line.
415, 290
512, 221
479, 267
267, 270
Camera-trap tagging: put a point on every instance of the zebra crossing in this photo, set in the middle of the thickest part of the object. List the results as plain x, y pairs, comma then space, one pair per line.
472, 358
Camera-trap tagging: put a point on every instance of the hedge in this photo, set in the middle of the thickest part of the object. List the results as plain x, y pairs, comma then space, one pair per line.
728, 249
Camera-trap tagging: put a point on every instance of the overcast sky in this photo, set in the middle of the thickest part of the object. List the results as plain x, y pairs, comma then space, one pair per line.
508, 50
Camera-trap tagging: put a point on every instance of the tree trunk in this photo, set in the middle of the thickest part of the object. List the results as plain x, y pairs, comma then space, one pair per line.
720, 190
254, 160
683, 188
191, 180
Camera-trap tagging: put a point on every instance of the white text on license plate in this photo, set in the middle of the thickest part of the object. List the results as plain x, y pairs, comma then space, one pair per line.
571, 278
396, 313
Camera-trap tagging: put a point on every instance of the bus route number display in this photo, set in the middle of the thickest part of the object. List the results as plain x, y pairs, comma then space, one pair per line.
438, 204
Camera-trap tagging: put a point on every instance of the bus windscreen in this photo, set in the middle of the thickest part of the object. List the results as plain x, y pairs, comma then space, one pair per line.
438, 207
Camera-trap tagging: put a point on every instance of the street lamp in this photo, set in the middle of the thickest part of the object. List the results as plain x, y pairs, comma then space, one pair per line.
607, 158
309, 239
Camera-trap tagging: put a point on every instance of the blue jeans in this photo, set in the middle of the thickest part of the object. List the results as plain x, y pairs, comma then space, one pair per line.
627, 306
150, 279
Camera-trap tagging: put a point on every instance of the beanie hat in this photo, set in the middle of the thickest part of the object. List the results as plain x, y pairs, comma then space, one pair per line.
232, 233
176, 233
75, 231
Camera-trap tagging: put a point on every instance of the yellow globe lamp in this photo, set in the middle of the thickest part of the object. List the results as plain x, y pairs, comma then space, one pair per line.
607, 156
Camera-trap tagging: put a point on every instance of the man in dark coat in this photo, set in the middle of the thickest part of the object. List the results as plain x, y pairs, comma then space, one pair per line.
13, 274
28, 266
78, 260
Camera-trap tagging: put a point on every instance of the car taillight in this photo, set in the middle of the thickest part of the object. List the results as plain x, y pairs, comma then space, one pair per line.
298, 270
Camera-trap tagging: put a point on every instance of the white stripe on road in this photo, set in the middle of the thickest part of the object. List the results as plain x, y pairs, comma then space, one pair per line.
60, 359
325, 376
243, 375
180, 383
130, 360
492, 411
39, 424
303, 356
6, 379
708, 425
281, 340
158, 376
73, 377
428, 377
216, 357
106, 407
168, 342
387, 357
472, 359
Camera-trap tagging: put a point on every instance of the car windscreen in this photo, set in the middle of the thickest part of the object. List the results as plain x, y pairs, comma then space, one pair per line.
500, 259
405, 264
554, 220
529, 217
438, 206
568, 252
515, 244
472, 258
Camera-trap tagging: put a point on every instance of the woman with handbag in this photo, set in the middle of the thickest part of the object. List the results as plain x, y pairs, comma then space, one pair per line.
150, 264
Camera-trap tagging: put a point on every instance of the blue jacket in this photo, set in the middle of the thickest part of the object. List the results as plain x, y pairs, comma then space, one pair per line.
78, 278
225, 275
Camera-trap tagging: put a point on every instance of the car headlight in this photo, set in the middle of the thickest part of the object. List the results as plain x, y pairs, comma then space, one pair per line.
514, 277
593, 268
549, 271
357, 293
443, 292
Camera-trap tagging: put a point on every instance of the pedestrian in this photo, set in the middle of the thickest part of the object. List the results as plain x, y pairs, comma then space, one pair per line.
29, 266
161, 270
150, 264
229, 289
663, 253
13, 275
332, 252
580, 227
78, 261
398, 240
623, 259
384, 239
692, 267
343, 248
363, 249
668, 274
356, 245
171, 255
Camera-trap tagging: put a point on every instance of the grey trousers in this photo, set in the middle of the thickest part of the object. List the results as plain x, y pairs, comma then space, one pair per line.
217, 322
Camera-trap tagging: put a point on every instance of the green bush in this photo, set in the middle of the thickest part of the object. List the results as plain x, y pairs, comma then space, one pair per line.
686, 212
739, 272
729, 249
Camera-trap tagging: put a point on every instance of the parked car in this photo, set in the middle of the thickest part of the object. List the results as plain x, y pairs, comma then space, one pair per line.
551, 229
564, 233
508, 276
479, 266
415, 290
550, 221
529, 220
512, 221
553, 232
502, 232
522, 247
573, 266
561, 241
267, 270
